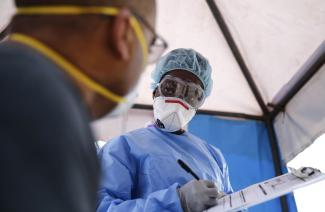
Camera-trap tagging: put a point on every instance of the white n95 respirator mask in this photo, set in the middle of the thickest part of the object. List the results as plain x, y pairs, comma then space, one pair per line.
172, 114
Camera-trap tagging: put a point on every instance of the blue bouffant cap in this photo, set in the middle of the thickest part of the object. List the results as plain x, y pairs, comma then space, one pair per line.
184, 59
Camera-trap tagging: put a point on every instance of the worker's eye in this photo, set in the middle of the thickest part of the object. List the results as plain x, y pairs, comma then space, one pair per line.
200, 97
168, 87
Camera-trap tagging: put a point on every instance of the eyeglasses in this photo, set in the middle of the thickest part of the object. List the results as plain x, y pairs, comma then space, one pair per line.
190, 92
157, 45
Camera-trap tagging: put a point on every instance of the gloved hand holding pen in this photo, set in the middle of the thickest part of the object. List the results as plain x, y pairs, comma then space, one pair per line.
199, 195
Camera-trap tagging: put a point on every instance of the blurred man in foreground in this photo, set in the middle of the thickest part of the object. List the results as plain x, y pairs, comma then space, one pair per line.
66, 62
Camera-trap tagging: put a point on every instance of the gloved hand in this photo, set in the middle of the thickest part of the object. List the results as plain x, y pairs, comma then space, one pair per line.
198, 195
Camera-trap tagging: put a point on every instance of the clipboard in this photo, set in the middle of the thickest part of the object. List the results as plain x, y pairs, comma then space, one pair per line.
268, 190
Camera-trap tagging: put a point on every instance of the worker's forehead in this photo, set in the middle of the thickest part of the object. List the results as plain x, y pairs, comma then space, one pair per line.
186, 76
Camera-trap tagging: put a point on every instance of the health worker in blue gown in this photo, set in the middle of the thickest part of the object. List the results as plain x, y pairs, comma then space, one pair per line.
140, 170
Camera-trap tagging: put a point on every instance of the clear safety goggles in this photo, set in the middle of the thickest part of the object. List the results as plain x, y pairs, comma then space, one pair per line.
190, 92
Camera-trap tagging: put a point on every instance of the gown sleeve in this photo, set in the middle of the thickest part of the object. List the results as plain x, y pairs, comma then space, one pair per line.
118, 183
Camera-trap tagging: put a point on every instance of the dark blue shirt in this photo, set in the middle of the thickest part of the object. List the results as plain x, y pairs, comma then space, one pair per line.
47, 153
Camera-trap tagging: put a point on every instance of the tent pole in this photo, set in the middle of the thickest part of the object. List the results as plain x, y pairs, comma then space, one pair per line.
232, 45
266, 114
310, 68
5, 32
276, 157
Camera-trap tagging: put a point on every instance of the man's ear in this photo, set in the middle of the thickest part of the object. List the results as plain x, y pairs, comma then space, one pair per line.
122, 34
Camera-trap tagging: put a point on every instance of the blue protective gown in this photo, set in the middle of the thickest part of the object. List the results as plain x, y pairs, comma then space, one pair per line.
140, 170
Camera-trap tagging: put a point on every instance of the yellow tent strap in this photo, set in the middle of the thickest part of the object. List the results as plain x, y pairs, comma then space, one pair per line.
79, 10
66, 66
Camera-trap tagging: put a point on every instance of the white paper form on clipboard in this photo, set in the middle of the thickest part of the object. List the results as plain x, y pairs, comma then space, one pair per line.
267, 190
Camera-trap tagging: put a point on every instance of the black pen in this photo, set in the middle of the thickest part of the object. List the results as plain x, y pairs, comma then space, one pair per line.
187, 168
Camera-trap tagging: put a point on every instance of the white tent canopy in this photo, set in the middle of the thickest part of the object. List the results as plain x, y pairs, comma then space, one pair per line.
6, 11
274, 37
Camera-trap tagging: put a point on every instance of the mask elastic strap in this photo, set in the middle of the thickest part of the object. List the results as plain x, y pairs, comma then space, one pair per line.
66, 66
